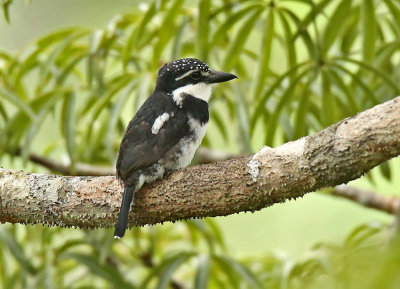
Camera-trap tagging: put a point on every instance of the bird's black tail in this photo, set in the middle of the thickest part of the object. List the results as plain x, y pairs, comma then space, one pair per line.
122, 222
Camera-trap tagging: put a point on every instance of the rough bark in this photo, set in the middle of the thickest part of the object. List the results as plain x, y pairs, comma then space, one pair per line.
335, 155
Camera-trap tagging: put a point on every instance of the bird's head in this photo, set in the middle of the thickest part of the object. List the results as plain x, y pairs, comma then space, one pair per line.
191, 76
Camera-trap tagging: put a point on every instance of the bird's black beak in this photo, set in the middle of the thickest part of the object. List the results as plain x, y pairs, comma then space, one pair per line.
219, 76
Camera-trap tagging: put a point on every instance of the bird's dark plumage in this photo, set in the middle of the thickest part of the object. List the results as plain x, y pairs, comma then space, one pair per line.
167, 129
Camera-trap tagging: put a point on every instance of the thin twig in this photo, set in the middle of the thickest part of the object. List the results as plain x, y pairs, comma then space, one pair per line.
203, 156
81, 169
369, 199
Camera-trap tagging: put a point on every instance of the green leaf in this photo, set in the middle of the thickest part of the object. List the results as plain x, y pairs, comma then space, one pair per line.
315, 11
394, 10
60, 35
240, 270
368, 93
104, 271
16, 100
283, 101
97, 101
385, 171
114, 116
369, 29
344, 88
165, 35
374, 70
265, 54
147, 17
13, 245
166, 268
260, 106
335, 25
200, 226
46, 68
14, 130
313, 117
232, 19
92, 69
96, 138
290, 45
222, 269
3, 112
240, 40
49, 100
169, 267
304, 34
301, 113
27, 60
385, 53
203, 272
351, 31
216, 232
143, 90
217, 120
243, 119
328, 103
15, 279
6, 5
177, 43
203, 29
6, 56
361, 234
65, 72
69, 244
99, 104
98, 36
68, 126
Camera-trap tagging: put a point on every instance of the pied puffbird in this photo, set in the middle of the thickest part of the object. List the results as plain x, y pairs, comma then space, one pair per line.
167, 129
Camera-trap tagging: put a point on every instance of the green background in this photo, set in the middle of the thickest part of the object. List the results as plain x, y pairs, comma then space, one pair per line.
288, 230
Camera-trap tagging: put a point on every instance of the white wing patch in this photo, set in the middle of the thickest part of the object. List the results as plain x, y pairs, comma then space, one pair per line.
199, 90
159, 122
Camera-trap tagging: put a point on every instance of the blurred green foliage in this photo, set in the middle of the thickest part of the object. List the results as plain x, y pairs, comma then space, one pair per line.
189, 255
302, 66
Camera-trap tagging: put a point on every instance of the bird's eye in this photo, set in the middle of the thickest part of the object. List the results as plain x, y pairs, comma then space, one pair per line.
196, 75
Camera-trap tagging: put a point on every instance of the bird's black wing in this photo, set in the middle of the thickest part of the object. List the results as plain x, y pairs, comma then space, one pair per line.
140, 148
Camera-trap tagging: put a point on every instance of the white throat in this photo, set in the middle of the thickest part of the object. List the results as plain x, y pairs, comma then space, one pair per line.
199, 90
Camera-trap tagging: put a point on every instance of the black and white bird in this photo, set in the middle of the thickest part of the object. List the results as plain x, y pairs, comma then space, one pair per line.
167, 129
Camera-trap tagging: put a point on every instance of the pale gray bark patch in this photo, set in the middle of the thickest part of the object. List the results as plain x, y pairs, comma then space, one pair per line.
254, 169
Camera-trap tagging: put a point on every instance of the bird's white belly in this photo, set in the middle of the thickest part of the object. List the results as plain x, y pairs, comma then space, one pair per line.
190, 144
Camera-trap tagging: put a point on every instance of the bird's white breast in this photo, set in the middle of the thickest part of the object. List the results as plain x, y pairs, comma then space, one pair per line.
190, 144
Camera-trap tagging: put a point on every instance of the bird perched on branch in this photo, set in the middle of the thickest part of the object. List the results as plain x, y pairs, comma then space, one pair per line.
168, 128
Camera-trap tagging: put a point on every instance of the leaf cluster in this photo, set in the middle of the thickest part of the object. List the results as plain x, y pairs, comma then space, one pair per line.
189, 255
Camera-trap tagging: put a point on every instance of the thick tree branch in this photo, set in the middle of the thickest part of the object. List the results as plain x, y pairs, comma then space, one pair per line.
335, 155
369, 199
